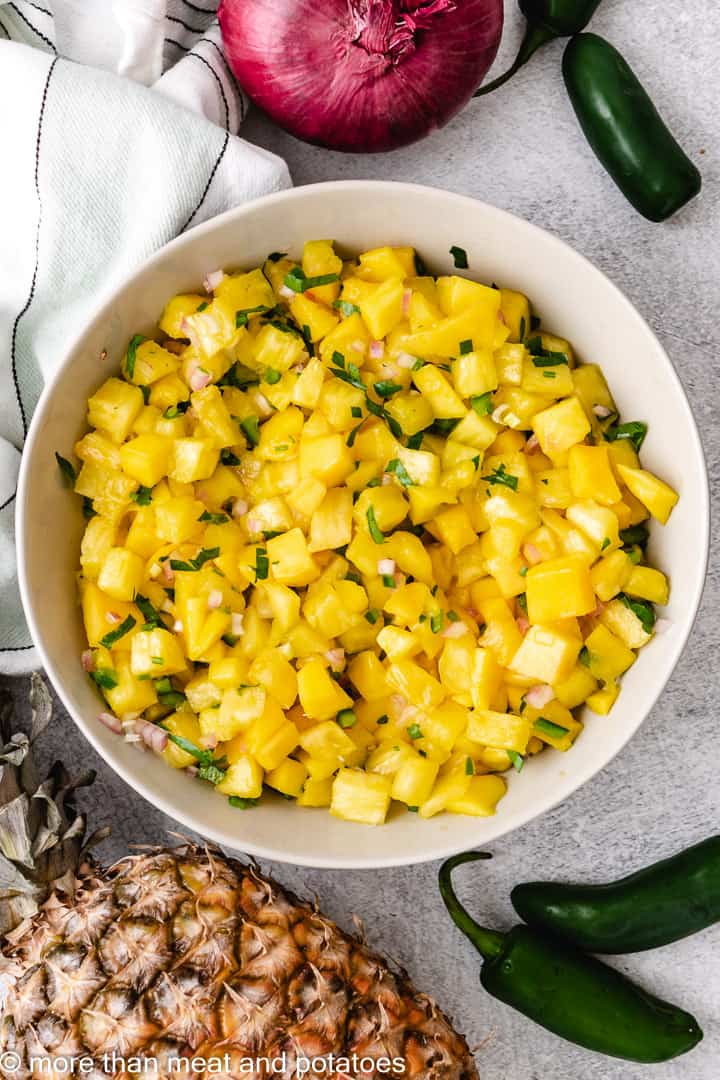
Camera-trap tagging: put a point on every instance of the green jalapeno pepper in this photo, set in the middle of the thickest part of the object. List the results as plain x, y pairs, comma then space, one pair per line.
657, 905
573, 995
546, 20
625, 129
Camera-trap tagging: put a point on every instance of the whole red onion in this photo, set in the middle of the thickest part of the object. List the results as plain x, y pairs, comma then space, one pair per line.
361, 75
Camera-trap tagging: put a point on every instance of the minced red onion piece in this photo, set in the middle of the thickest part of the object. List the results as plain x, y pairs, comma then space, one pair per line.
405, 360
236, 622
532, 445
386, 480
539, 696
208, 742
152, 736
287, 292
214, 599
386, 566
602, 411
111, 721
213, 279
358, 345
336, 659
455, 630
407, 297
112, 617
240, 508
532, 554
523, 624
87, 661
178, 626
377, 349
168, 572
199, 379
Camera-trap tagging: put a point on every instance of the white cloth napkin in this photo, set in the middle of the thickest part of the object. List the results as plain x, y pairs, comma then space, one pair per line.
117, 132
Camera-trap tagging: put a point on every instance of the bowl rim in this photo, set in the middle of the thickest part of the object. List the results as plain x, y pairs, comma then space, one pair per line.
187, 818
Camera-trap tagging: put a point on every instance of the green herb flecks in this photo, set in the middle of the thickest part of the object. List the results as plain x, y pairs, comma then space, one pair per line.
106, 678
517, 760
482, 403
345, 308
251, 429
635, 431
459, 257
262, 564
643, 609
385, 388
151, 615
213, 519
502, 476
119, 632
375, 530
239, 803
346, 718
131, 355
241, 317
197, 563
398, 469
143, 496
299, 282
547, 727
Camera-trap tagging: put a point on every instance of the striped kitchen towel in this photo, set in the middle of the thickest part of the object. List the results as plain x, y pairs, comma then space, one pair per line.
118, 131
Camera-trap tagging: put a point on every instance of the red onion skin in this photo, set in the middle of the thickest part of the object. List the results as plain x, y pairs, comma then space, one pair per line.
361, 75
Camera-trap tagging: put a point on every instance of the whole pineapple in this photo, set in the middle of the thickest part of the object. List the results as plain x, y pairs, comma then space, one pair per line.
184, 954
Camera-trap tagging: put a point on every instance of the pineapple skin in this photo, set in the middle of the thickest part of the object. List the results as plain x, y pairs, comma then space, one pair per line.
184, 953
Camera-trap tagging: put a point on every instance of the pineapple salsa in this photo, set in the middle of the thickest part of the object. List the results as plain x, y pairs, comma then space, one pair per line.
360, 535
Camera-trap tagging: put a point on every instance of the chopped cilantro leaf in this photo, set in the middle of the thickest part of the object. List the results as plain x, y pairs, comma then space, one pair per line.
143, 496
396, 466
130, 356
459, 257
502, 476
346, 718
375, 530
119, 632
635, 431
67, 470
482, 403
547, 727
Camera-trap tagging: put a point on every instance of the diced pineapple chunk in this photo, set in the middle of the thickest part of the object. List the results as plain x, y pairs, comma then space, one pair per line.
607, 656
546, 655
121, 573
360, 796
480, 798
655, 494
320, 696
559, 589
243, 779
156, 653
114, 408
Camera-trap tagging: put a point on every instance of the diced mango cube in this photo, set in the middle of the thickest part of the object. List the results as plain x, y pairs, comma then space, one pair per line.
558, 589
546, 654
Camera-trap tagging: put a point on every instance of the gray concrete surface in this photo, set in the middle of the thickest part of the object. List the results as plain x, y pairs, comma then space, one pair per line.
521, 149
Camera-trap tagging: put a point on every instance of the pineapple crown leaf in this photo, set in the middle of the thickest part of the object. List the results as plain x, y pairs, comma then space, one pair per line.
41, 833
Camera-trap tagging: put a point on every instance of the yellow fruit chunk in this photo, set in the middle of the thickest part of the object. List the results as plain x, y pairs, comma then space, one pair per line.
547, 380
598, 523
437, 391
411, 411
359, 796
177, 310
382, 307
385, 505
455, 528
156, 653
602, 701
413, 782
591, 475
178, 519
504, 731
578, 686
607, 656
610, 574
451, 784
558, 589
121, 574
290, 561
515, 308
546, 655
319, 319
288, 777
243, 779
480, 798
386, 262
193, 459
655, 494
327, 458
408, 678
146, 458
560, 426
367, 675
315, 792
273, 671
647, 584
183, 723
622, 621
131, 695
238, 710
98, 539
114, 408
151, 363
320, 696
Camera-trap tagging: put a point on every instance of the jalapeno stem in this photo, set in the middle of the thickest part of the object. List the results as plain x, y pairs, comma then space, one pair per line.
489, 943
535, 37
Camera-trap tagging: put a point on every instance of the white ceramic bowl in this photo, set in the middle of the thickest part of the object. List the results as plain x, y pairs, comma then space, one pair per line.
574, 299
